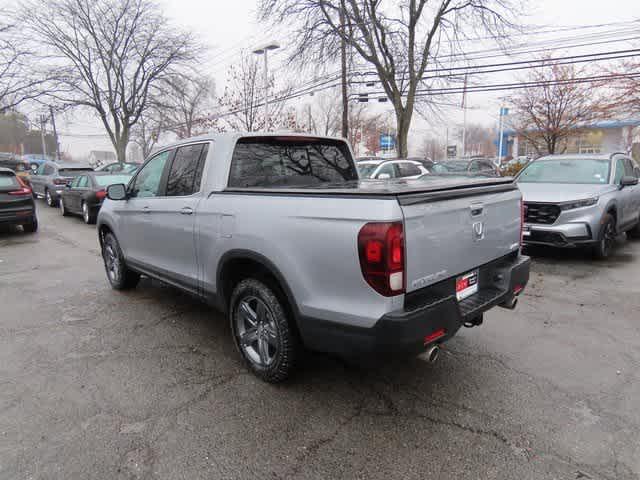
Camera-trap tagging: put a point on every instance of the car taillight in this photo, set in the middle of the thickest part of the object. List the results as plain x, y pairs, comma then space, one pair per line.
381, 252
521, 221
100, 194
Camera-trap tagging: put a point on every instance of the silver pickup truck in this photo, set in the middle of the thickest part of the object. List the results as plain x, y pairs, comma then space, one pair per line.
279, 232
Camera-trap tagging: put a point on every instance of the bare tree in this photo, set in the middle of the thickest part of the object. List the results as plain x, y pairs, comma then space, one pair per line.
480, 140
146, 132
325, 114
244, 96
556, 107
20, 77
626, 88
399, 38
111, 52
433, 148
186, 104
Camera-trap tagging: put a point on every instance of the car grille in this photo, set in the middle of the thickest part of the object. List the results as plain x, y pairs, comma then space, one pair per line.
541, 213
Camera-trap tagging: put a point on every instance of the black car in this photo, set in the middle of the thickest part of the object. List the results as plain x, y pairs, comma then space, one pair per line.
123, 168
475, 167
51, 177
17, 206
84, 194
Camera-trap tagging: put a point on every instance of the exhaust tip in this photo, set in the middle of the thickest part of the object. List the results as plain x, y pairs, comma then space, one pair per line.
433, 353
511, 304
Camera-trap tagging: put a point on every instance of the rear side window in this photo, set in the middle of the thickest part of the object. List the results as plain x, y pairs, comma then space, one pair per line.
408, 169
186, 170
8, 180
290, 162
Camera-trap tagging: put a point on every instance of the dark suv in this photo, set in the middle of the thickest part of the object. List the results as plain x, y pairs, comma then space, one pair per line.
51, 178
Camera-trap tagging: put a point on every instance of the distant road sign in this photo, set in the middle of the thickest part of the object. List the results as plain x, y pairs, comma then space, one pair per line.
452, 151
387, 142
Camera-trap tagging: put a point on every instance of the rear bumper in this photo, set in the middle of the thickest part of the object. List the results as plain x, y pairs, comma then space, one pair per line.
426, 311
17, 216
562, 235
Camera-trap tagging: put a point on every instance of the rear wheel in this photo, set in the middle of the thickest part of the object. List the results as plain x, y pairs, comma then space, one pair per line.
49, 198
32, 226
120, 277
63, 209
602, 249
87, 216
262, 331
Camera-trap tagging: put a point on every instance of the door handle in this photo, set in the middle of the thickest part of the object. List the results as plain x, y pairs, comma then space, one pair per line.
146, 210
186, 211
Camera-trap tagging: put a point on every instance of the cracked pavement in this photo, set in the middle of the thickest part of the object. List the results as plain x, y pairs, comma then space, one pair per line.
147, 384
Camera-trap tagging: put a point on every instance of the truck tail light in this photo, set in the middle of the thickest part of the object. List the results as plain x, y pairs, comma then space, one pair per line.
100, 194
522, 207
381, 252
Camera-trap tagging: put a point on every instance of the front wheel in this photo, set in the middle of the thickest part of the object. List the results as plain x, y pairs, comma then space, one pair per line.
262, 331
607, 239
120, 277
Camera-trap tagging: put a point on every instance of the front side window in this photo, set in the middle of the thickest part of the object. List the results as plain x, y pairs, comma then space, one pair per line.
569, 170
620, 172
186, 171
629, 169
290, 162
408, 169
83, 182
147, 182
74, 183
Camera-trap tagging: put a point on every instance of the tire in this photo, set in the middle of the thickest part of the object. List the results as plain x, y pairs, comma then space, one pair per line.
634, 232
262, 331
606, 241
119, 276
87, 216
31, 227
48, 198
63, 210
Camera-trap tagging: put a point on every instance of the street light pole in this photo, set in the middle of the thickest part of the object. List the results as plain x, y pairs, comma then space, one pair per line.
264, 51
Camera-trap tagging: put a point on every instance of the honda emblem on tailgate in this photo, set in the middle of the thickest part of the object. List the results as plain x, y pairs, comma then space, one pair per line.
478, 231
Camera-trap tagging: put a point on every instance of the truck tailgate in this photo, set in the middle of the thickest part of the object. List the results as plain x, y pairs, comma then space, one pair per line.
452, 235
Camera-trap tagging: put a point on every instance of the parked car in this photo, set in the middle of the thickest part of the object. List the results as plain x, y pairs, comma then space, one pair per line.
16, 163
84, 194
387, 169
16, 202
580, 200
126, 168
36, 159
51, 178
278, 232
479, 167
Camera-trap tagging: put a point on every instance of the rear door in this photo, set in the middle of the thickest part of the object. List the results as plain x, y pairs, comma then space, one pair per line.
633, 193
82, 187
174, 216
453, 236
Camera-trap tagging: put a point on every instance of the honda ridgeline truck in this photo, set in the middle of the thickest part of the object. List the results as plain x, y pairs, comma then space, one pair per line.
278, 231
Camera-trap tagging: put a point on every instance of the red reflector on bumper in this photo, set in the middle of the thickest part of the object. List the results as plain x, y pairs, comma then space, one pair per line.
432, 337
517, 289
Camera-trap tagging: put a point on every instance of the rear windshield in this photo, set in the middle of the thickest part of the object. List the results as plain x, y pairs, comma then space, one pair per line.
297, 162
106, 180
14, 165
583, 171
73, 172
367, 169
8, 181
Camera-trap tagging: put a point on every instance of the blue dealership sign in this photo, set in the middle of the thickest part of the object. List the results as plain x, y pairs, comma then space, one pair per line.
387, 142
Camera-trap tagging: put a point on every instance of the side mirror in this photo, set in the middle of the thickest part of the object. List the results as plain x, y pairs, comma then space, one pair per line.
384, 176
628, 181
117, 192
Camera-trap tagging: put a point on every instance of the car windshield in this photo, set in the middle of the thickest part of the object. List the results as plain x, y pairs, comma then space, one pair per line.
106, 180
366, 169
567, 170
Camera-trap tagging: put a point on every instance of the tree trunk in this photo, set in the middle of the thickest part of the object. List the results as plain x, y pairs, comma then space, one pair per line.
403, 122
121, 147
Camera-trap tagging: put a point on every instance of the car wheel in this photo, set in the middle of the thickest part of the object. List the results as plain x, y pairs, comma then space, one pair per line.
602, 249
32, 226
63, 209
87, 216
120, 277
263, 331
49, 198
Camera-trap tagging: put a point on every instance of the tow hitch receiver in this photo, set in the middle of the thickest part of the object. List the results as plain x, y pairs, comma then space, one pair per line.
474, 322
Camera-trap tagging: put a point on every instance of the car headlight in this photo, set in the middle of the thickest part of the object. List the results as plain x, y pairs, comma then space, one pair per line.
587, 202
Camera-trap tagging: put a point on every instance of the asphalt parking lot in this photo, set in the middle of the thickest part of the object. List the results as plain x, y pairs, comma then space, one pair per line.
147, 385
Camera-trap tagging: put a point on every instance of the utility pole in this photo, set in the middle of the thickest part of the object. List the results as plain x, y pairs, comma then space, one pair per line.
55, 132
43, 121
464, 121
343, 61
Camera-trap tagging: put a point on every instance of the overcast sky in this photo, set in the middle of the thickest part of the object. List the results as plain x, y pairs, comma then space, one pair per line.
227, 26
